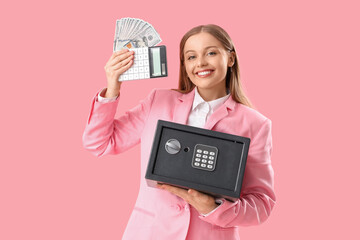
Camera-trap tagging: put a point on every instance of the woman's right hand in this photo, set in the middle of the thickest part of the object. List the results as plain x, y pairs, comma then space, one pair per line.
118, 63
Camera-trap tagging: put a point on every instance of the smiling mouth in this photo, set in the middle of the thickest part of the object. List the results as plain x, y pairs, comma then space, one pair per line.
205, 73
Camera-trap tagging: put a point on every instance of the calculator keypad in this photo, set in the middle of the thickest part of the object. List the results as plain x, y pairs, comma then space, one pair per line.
140, 68
204, 157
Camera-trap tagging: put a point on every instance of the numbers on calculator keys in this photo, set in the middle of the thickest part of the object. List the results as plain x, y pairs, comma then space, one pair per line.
204, 157
140, 68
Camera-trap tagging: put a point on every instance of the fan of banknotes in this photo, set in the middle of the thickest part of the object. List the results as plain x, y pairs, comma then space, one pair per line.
134, 33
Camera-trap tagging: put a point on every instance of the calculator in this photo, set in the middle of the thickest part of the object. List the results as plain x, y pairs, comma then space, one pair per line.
190, 157
149, 62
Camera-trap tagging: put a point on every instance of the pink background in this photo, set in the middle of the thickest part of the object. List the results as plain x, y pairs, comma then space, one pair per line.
299, 63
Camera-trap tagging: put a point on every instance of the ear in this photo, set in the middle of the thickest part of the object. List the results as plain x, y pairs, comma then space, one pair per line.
231, 61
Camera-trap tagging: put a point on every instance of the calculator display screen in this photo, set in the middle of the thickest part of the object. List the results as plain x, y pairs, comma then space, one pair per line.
156, 61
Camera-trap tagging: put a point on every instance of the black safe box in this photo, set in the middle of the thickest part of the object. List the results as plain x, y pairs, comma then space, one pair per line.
189, 157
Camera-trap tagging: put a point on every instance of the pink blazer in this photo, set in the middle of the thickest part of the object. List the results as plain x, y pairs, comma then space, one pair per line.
159, 214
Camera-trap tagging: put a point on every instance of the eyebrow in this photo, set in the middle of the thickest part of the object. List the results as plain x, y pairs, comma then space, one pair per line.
205, 48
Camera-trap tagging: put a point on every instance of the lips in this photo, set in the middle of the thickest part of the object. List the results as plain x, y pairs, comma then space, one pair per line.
204, 73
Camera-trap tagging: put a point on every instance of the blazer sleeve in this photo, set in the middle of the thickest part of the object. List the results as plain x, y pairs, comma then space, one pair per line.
257, 197
105, 135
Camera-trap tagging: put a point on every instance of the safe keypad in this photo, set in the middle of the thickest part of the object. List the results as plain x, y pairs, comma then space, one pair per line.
204, 157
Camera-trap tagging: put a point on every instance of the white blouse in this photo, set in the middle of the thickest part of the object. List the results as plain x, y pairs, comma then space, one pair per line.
202, 110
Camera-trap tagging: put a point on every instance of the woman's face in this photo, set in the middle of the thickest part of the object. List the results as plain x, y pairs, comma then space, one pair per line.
206, 62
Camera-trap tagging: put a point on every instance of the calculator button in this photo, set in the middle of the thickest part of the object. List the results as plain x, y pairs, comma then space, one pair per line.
209, 166
203, 165
146, 62
198, 155
141, 57
136, 70
211, 158
197, 159
126, 77
146, 56
141, 69
212, 153
163, 68
206, 152
199, 151
147, 75
204, 161
204, 156
141, 75
136, 76
210, 162
141, 63
197, 164
131, 76
131, 70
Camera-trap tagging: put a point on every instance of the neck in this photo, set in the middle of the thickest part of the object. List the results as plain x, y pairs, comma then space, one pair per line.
211, 94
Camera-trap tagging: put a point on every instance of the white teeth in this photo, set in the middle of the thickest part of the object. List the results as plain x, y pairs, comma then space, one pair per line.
204, 73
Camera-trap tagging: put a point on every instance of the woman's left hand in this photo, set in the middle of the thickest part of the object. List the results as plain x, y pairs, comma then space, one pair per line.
203, 203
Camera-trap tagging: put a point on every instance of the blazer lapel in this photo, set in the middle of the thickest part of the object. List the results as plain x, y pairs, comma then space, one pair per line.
183, 107
219, 114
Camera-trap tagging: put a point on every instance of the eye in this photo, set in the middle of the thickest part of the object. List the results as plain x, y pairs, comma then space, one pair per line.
190, 57
212, 53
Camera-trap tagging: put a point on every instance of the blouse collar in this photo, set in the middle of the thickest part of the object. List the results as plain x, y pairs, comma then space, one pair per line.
214, 104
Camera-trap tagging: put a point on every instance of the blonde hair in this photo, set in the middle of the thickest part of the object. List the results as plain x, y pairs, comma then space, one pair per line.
233, 73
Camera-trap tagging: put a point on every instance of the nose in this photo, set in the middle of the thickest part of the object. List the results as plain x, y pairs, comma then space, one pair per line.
201, 61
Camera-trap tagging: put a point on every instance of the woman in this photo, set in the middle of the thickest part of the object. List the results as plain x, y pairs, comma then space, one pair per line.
209, 96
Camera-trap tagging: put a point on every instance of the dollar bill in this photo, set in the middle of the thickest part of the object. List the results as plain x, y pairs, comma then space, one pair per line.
150, 36
121, 44
134, 33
